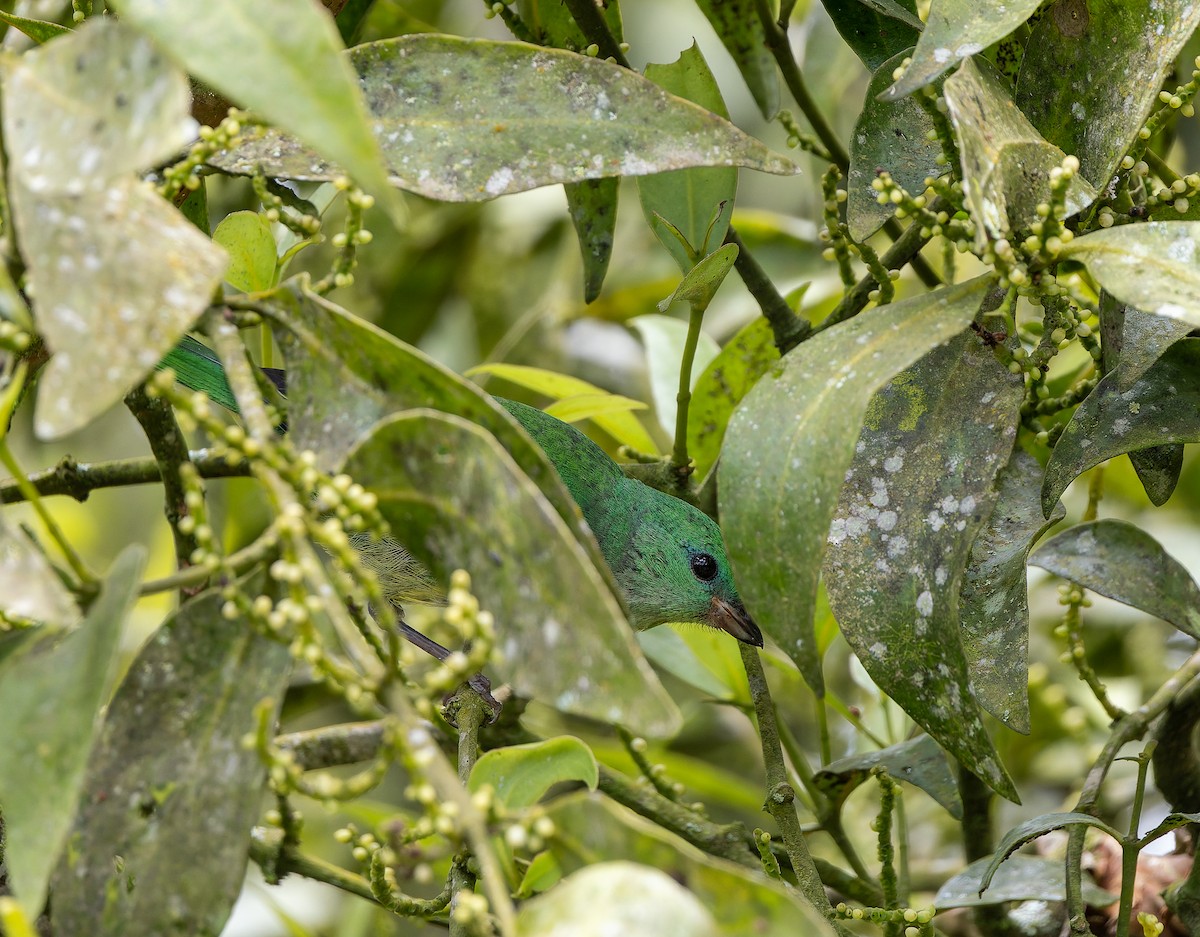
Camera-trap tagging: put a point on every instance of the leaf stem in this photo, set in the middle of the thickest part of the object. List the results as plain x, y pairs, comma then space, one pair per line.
681, 464
468, 711
1130, 846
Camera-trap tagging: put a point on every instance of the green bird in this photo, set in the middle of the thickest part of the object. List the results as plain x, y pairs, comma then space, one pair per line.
667, 557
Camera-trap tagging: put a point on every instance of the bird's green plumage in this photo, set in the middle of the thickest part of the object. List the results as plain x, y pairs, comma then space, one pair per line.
667, 557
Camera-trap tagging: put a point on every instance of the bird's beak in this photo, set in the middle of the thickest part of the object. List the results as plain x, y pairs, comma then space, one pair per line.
733, 619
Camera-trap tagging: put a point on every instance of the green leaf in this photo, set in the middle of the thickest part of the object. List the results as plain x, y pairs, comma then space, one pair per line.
664, 339
1163, 407
247, 239
1021, 878
119, 274
665, 648
993, 601
620, 424
1173, 822
920, 761
520, 775
37, 30
29, 587
1076, 57
481, 119
1125, 563
1154, 266
590, 406
592, 205
742, 899
701, 282
956, 30
891, 135
723, 384
1030, 830
1006, 163
551, 23
688, 198
543, 873
917, 491
740, 30
281, 59
617, 898
462, 503
876, 30
790, 442
52, 692
150, 780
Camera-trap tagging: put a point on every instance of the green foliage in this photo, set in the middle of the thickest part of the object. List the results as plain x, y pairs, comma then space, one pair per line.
976, 285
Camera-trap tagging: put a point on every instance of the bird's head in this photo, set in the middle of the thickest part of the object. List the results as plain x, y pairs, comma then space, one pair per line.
676, 569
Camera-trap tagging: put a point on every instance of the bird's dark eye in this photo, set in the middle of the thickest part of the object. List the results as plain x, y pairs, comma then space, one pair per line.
704, 567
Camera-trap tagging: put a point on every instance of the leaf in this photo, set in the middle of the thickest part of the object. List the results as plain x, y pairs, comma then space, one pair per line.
664, 339
37, 30
956, 30
742, 899
621, 425
1076, 57
701, 282
551, 23
738, 26
1124, 563
993, 601
617, 898
1173, 822
150, 781
247, 239
592, 205
1006, 163
917, 491
1154, 266
920, 761
478, 119
688, 198
890, 135
1146, 338
520, 775
1030, 830
790, 442
876, 30
51, 695
1020, 878
139, 273
721, 387
458, 500
589, 406
667, 649
29, 587
542, 873
281, 59
1163, 407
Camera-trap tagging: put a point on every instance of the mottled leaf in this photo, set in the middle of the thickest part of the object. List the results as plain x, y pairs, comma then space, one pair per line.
471, 119
920, 761
1030, 830
688, 198
1005, 162
664, 339
1021, 878
1173, 822
993, 601
520, 775
740, 30
1158, 469
916, 493
956, 30
1092, 72
1154, 266
551, 23
162, 791
791, 440
742, 900
1163, 407
620, 424
592, 205
1146, 338
891, 136
726, 380
458, 500
52, 691
876, 30
38, 30
118, 274
247, 239
617, 898
280, 58
29, 587
1124, 563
